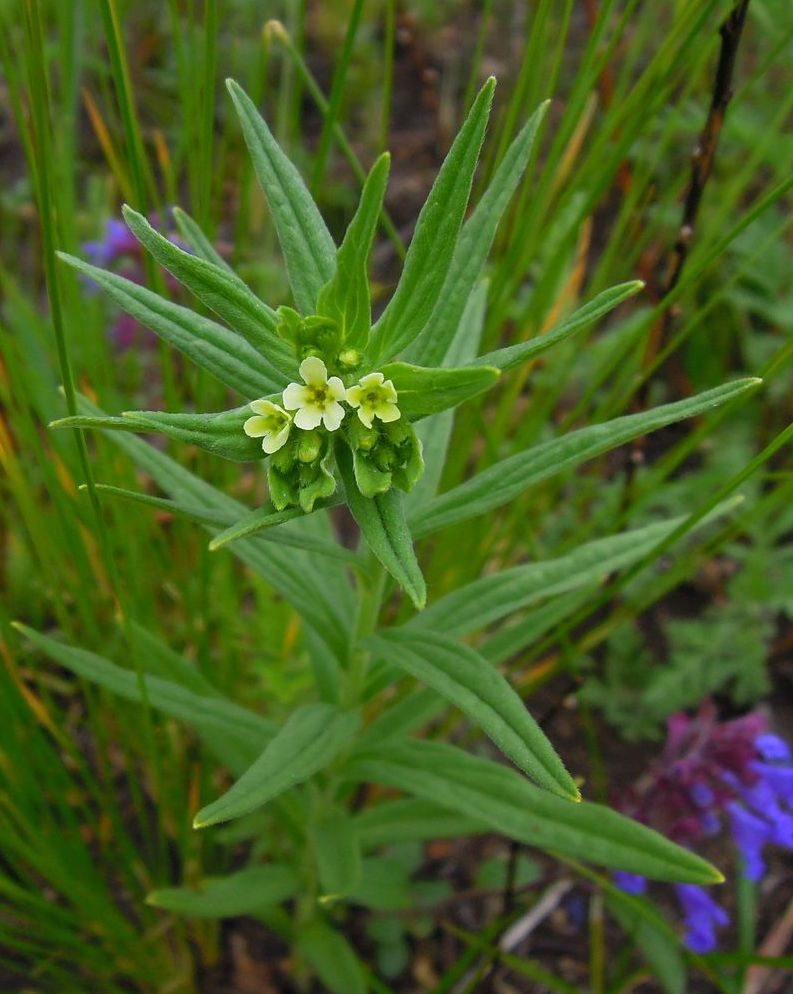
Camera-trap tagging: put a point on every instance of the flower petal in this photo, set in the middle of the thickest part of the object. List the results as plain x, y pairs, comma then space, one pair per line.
256, 426
276, 440
313, 370
295, 395
308, 417
366, 416
354, 395
336, 388
388, 412
333, 416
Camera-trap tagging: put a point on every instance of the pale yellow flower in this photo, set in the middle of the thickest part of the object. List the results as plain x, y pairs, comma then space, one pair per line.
318, 400
271, 423
374, 397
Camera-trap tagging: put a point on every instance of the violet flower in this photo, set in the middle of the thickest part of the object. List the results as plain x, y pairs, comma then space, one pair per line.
702, 916
715, 775
118, 243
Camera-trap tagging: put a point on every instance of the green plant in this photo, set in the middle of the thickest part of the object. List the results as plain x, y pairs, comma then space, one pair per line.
299, 779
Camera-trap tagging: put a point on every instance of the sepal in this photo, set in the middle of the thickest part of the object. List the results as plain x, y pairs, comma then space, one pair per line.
299, 474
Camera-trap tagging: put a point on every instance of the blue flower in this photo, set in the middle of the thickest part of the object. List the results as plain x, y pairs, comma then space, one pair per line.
750, 834
772, 748
118, 240
702, 917
631, 883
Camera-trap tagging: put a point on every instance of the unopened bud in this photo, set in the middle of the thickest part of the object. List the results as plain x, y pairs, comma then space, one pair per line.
350, 358
309, 446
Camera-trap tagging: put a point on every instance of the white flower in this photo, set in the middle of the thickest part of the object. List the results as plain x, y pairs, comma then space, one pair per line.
271, 423
374, 397
318, 400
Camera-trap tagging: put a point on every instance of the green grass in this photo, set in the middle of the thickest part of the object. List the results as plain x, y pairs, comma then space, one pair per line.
96, 796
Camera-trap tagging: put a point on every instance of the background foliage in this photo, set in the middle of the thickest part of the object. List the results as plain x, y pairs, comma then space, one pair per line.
129, 106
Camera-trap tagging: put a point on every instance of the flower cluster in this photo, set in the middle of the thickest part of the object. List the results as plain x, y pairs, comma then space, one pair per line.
714, 775
301, 472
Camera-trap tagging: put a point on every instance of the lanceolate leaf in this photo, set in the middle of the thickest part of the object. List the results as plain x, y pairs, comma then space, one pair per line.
346, 298
432, 247
308, 248
311, 739
460, 675
220, 434
206, 516
509, 804
435, 433
514, 355
243, 893
495, 596
338, 854
198, 241
506, 479
385, 530
473, 246
225, 294
233, 732
424, 391
264, 519
323, 598
332, 957
219, 351
412, 820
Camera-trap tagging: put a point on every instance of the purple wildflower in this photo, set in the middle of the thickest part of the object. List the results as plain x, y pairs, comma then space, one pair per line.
772, 748
750, 835
631, 883
702, 916
118, 241
715, 775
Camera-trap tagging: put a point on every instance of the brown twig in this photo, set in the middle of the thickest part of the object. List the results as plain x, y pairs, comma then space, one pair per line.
702, 162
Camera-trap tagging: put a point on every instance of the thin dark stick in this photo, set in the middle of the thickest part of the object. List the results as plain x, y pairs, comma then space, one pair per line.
702, 161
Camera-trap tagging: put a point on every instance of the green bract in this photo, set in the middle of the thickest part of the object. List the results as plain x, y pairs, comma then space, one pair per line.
346, 411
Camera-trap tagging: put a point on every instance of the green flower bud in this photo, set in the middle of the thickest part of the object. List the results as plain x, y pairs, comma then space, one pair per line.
309, 446
349, 359
362, 438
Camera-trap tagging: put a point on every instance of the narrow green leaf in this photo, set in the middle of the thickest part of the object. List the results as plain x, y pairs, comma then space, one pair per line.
219, 721
435, 433
333, 958
492, 597
507, 802
385, 530
432, 246
220, 433
198, 241
323, 598
662, 951
468, 681
219, 351
410, 819
223, 293
312, 737
264, 519
473, 247
208, 516
422, 391
514, 355
309, 252
338, 854
243, 893
507, 479
346, 297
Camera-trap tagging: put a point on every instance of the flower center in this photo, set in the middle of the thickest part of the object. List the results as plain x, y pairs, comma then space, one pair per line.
318, 394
